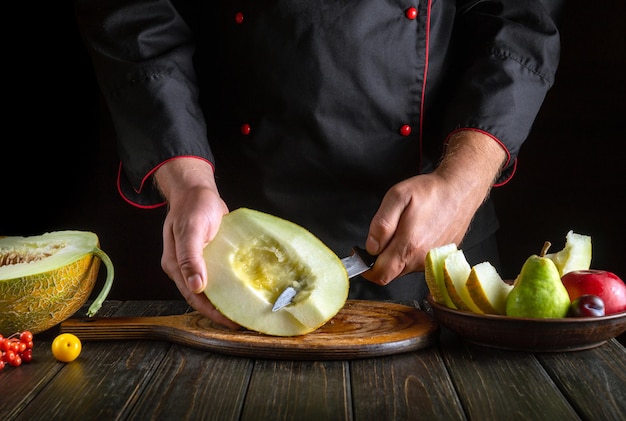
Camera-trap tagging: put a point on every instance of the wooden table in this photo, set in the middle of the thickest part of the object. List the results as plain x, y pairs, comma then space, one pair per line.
451, 380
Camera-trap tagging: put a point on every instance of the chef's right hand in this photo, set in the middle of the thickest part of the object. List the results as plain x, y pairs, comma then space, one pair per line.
431, 210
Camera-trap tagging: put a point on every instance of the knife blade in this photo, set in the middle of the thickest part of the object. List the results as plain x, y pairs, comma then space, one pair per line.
356, 263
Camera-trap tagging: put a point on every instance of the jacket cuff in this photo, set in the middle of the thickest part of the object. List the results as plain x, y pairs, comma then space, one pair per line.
508, 168
146, 195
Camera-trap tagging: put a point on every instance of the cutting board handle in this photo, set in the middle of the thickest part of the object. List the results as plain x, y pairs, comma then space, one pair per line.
124, 328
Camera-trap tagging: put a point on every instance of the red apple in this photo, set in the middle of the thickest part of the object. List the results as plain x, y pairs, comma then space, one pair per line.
602, 283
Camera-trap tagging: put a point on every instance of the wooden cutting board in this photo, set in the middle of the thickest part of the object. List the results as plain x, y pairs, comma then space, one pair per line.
362, 329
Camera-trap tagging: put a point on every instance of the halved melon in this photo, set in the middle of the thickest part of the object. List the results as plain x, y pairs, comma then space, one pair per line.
255, 256
45, 279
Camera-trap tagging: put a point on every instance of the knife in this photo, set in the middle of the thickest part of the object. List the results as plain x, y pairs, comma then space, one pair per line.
356, 263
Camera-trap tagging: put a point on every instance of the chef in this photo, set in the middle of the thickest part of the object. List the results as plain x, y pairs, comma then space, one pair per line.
377, 123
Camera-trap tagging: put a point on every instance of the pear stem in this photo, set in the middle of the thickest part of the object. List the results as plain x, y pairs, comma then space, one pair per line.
545, 248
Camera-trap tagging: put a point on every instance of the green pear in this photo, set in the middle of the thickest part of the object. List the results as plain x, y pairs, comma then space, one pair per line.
538, 291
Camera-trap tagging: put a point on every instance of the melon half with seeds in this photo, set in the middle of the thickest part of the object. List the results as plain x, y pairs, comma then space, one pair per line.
255, 256
45, 279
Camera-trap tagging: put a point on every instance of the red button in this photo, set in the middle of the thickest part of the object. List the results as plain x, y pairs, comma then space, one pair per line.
245, 129
405, 130
239, 17
411, 13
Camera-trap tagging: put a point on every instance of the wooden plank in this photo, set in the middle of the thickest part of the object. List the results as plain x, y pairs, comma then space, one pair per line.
193, 384
408, 386
151, 379
19, 386
298, 390
107, 377
594, 381
503, 385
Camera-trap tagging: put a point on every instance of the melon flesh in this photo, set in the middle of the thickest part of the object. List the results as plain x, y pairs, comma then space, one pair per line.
255, 256
26, 256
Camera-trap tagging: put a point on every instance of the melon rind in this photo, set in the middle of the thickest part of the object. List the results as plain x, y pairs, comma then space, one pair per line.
254, 235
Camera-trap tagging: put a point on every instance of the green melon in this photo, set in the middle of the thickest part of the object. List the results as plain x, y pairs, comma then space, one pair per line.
255, 256
45, 279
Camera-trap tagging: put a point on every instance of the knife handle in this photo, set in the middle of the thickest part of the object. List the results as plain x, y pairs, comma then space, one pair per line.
367, 258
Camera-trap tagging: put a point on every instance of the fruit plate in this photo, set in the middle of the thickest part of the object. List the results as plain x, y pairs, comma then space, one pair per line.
532, 335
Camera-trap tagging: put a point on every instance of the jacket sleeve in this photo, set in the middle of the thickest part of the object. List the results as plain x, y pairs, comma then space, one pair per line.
142, 54
510, 51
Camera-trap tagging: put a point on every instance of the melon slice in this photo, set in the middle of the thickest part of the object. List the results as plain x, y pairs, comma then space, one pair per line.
487, 289
45, 279
255, 256
576, 255
433, 273
456, 271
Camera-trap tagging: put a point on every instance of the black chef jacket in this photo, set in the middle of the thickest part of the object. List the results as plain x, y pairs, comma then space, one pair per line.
312, 109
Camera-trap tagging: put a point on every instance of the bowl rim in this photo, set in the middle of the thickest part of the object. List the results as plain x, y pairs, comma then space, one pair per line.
498, 317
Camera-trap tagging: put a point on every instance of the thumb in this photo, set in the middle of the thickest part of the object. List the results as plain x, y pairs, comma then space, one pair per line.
382, 227
190, 255
195, 283
192, 267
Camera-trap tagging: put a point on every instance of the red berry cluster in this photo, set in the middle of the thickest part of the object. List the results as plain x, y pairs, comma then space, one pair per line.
16, 349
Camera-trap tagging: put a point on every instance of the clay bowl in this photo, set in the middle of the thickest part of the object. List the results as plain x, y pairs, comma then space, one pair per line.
532, 335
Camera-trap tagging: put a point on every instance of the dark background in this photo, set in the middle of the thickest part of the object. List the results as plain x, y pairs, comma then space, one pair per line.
58, 164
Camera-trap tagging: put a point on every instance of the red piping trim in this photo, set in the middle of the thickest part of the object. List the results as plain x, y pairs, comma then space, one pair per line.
145, 179
426, 56
506, 180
